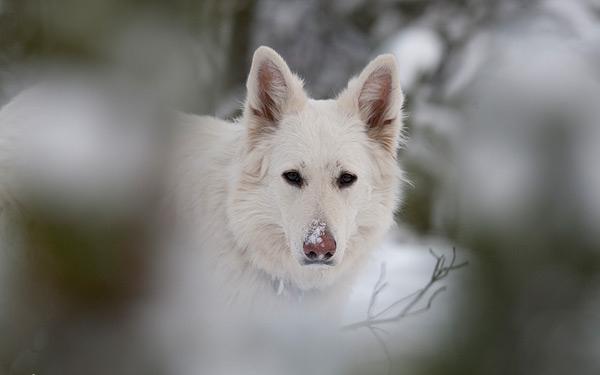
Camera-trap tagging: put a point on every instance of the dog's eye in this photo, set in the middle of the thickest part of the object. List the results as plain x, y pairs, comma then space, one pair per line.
346, 179
293, 178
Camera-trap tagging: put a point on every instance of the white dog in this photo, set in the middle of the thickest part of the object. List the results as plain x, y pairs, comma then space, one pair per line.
287, 202
277, 209
284, 204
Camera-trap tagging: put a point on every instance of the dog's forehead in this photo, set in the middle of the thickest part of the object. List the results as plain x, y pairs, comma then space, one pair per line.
324, 121
322, 133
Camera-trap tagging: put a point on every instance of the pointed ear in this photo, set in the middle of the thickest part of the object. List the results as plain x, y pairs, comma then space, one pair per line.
377, 98
272, 91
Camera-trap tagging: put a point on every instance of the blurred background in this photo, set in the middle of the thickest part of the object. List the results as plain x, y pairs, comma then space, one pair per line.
502, 154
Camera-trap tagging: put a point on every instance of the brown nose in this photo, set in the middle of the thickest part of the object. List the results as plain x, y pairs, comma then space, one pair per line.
321, 248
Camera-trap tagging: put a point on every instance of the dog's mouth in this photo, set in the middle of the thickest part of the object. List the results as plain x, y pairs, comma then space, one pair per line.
327, 263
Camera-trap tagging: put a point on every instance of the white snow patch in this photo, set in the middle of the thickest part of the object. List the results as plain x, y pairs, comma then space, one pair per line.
315, 232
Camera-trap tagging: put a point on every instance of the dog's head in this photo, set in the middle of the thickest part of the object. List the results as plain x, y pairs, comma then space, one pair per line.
319, 181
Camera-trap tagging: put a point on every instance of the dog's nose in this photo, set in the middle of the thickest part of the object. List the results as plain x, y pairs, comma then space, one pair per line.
321, 248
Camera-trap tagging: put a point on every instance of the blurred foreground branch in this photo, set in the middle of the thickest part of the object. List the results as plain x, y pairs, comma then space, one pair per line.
411, 303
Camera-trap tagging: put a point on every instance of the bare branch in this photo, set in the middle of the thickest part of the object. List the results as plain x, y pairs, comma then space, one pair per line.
396, 303
411, 301
378, 288
375, 320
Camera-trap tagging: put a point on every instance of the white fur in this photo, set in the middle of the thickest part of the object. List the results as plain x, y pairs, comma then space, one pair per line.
249, 224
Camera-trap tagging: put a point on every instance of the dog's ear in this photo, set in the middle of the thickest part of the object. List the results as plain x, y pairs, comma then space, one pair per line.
272, 91
377, 98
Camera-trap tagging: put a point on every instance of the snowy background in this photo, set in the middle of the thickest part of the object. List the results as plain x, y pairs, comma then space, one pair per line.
503, 153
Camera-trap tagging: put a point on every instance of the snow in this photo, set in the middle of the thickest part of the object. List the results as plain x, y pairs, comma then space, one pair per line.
315, 231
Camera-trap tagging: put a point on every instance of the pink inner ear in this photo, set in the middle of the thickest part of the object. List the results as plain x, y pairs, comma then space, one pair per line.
271, 91
374, 99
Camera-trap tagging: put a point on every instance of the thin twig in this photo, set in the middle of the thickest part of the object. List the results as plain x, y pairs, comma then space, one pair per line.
375, 320
377, 289
440, 271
